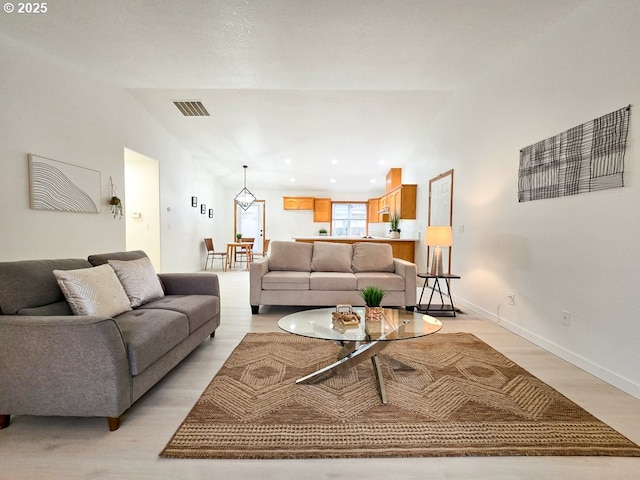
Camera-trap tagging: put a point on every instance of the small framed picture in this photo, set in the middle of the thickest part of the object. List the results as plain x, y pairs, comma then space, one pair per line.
203, 208
211, 213
194, 201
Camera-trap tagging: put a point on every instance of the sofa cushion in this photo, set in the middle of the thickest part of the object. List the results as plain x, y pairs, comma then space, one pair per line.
332, 281
387, 281
139, 280
31, 283
199, 309
372, 257
58, 308
286, 281
102, 258
290, 256
150, 334
93, 291
331, 257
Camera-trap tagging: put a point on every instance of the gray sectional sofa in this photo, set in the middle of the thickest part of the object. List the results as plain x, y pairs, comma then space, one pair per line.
328, 274
61, 355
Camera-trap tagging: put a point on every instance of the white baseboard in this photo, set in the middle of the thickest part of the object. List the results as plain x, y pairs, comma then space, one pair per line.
602, 373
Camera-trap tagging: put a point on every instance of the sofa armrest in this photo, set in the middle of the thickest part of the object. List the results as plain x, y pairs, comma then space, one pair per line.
63, 365
190, 283
258, 269
409, 272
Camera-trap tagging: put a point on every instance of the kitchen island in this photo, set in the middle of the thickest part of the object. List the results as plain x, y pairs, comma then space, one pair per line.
402, 247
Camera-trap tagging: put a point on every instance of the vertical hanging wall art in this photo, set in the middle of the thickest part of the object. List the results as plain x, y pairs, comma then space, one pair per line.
585, 158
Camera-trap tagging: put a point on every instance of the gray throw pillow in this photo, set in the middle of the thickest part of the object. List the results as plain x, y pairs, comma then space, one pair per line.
139, 280
290, 256
331, 257
372, 257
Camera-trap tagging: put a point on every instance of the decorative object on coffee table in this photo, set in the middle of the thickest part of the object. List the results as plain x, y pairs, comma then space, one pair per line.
345, 316
372, 296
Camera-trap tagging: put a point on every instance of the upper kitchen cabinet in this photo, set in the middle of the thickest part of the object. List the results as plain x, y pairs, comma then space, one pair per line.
322, 210
401, 200
298, 203
394, 179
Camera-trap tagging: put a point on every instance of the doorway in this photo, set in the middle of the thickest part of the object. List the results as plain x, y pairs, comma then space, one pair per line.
441, 208
142, 205
251, 223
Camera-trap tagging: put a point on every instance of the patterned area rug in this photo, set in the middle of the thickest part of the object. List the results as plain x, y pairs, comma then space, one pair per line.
448, 395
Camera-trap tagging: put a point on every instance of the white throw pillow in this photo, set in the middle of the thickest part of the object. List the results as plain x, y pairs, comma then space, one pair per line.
93, 291
139, 280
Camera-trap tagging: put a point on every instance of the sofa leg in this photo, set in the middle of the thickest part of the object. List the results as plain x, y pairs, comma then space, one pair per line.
410, 308
213, 334
255, 309
5, 420
114, 423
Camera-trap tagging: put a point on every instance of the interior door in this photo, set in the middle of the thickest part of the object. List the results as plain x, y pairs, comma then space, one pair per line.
441, 209
250, 223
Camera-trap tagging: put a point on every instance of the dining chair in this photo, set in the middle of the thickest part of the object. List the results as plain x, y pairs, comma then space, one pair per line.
212, 254
246, 252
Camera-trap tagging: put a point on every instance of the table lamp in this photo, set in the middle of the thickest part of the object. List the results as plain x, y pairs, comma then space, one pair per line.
438, 237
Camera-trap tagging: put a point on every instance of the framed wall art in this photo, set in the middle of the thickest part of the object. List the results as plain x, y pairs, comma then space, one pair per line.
63, 187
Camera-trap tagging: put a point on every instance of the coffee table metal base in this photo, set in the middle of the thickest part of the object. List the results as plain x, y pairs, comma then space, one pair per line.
352, 354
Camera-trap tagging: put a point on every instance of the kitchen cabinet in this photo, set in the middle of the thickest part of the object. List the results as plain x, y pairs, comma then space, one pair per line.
394, 179
402, 201
322, 210
298, 203
372, 210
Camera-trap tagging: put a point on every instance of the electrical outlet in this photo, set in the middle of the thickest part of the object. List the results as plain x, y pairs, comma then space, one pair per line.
565, 317
511, 298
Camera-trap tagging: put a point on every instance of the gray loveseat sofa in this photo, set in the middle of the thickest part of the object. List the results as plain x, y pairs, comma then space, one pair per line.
328, 274
55, 362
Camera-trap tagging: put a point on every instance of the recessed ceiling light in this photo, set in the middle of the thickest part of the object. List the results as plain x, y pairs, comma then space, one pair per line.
333, 180
381, 161
334, 161
287, 161
292, 180
373, 180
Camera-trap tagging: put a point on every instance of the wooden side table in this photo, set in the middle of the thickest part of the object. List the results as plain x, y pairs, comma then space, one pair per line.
441, 309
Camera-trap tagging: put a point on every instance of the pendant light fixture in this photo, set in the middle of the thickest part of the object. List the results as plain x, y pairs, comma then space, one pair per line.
245, 198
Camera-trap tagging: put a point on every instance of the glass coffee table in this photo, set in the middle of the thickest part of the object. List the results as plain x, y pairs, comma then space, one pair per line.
359, 342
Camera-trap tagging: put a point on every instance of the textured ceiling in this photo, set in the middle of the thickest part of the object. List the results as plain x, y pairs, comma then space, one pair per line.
306, 80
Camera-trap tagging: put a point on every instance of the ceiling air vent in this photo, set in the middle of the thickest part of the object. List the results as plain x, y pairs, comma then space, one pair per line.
192, 108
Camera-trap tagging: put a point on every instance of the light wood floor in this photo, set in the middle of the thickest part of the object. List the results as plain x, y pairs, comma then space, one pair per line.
83, 448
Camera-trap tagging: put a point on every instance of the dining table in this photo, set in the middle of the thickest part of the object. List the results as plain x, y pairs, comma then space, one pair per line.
232, 248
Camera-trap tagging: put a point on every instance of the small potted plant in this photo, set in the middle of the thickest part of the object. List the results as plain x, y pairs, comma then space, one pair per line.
372, 296
394, 220
322, 232
238, 236
115, 205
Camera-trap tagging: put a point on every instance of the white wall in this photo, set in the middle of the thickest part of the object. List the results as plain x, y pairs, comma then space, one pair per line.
580, 253
60, 113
